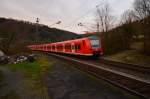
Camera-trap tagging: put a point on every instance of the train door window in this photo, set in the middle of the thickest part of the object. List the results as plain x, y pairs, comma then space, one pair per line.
70, 47
83, 42
76, 47
73, 47
79, 47
65, 46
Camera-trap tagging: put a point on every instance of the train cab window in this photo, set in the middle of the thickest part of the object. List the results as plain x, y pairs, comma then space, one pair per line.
94, 42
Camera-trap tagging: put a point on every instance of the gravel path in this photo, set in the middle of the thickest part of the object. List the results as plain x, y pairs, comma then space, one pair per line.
18, 83
8, 90
64, 82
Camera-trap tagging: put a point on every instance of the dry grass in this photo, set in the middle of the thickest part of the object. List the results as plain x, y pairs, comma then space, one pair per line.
132, 57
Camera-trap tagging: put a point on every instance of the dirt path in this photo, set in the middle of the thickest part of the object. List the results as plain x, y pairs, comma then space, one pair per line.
8, 90
61, 81
18, 84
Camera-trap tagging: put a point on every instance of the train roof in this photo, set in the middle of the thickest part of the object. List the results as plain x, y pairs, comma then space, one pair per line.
85, 38
80, 39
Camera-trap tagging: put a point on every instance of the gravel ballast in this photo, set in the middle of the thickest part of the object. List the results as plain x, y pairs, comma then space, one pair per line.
65, 82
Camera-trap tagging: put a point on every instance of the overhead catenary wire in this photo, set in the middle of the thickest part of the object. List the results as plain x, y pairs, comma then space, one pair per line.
82, 16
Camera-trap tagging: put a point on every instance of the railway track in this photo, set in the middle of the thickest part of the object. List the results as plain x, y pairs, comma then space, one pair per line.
128, 66
130, 83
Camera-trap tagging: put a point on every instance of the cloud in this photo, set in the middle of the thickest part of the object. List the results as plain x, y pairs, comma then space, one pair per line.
51, 11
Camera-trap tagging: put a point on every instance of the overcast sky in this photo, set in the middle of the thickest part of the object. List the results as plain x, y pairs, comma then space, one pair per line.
69, 12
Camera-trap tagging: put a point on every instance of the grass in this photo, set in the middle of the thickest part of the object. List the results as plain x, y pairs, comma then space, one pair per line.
33, 75
131, 57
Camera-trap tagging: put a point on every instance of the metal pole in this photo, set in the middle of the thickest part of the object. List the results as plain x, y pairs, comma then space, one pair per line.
37, 22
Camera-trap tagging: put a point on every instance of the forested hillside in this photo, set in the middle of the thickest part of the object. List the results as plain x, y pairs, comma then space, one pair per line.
16, 34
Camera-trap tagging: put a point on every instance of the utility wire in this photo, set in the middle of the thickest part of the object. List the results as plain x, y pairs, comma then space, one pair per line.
84, 15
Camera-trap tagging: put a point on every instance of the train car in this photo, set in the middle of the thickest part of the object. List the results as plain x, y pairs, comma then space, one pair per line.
89, 46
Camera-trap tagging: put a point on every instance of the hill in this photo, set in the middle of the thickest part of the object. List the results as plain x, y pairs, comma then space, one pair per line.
15, 33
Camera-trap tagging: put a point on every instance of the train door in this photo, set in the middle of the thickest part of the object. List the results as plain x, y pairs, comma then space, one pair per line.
72, 47
63, 47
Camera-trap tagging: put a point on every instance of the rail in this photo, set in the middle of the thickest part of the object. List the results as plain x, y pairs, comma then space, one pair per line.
124, 81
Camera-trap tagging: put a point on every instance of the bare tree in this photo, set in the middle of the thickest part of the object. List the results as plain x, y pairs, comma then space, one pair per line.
128, 17
142, 8
104, 18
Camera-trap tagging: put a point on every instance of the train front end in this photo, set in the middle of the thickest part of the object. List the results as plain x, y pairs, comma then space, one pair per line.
96, 46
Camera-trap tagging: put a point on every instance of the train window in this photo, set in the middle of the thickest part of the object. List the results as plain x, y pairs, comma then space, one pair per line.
95, 43
59, 47
53, 47
77, 47
65, 47
69, 47
72, 47
49, 47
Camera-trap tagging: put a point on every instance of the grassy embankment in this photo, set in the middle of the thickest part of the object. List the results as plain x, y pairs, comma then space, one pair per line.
131, 57
32, 81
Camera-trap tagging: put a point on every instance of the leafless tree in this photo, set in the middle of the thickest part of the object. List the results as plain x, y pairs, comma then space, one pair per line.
127, 17
104, 19
142, 8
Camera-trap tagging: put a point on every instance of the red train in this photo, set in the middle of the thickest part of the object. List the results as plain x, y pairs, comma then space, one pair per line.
88, 46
